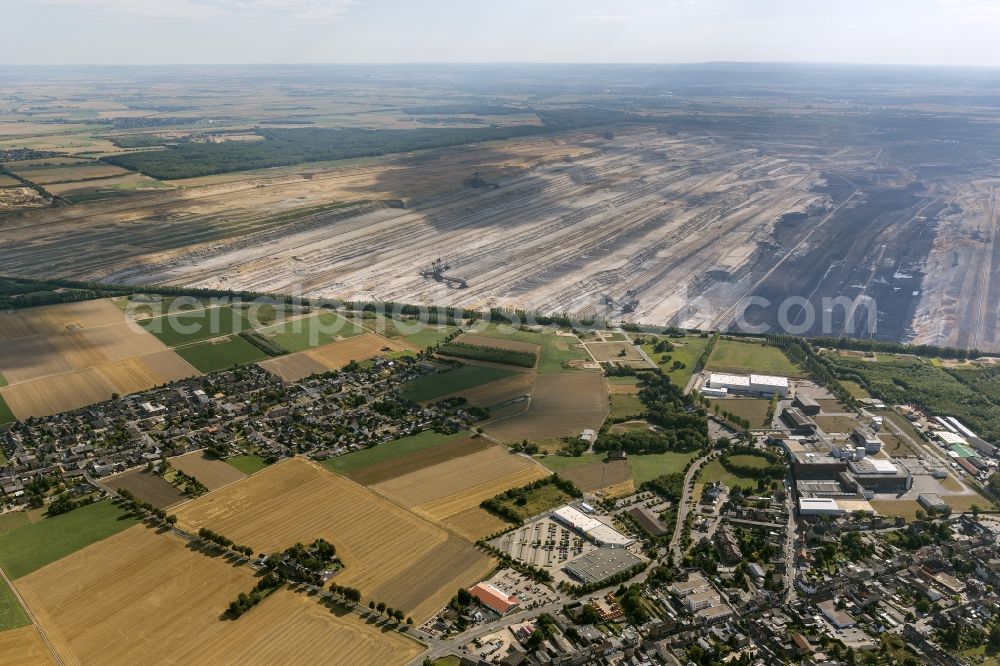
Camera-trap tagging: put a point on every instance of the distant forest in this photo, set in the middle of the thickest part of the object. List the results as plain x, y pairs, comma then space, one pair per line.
286, 147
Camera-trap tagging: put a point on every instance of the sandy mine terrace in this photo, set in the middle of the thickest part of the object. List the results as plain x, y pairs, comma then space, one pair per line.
694, 224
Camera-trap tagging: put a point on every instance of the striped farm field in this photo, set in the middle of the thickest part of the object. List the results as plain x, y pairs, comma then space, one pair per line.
390, 554
332, 356
212, 472
24, 647
60, 357
142, 595
450, 492
562, 405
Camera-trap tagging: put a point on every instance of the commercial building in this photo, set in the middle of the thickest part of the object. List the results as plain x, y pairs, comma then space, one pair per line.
932, 502
867, 439
599, 565
880, 476
494, 598
819, 506
806, 405
590, 527
810, 465
756, 384
798, 422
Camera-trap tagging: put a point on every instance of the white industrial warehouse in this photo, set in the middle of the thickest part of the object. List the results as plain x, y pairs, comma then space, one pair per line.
590, 527
756, 384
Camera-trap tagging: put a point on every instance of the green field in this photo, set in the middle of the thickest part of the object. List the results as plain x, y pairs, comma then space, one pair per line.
429, 336
556, 349
32, 546
388, 450
750, 357
686, 350
3, 380
539, 500
247, 464
6, 416
451, 381
179, 329
624, 405
308, 332
648, 467
12, 614
210, 356
856, 390
753, 410
714, 471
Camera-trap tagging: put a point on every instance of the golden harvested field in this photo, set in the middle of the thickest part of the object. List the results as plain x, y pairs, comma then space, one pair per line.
46, 175
145, 597
390, 554
450, 493
24, 647
67, 356
48, 319
333, 356
499, 343
79, 388
502, 390
212, 472
561, 405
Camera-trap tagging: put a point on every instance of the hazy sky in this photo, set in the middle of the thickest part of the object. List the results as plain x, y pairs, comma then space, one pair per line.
951, 32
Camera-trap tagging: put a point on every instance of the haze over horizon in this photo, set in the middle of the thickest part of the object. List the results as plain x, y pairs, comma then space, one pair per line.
894, 32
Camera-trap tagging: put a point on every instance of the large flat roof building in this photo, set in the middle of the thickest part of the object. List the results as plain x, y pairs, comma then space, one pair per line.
601, 564
819, 506
763, 384
590, 527
493, 597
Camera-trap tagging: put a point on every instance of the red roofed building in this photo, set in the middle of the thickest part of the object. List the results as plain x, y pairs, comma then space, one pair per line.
493, 597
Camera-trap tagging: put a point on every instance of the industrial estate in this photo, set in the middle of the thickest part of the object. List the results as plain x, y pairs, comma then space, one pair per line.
300, 368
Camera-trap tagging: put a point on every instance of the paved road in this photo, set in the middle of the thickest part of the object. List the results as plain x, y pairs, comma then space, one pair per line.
682, 509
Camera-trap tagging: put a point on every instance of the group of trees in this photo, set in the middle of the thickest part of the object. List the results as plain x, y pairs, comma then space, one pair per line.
775, 465
505, 504
644, 441
65, 503
268, 583
393, 613
351, 594
265, 344
206, 534
521, 359
284, 147
305, 564
139, 508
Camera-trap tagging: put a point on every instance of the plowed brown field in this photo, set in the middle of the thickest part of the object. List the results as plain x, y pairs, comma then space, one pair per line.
390, 554
562, 405
212, 472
